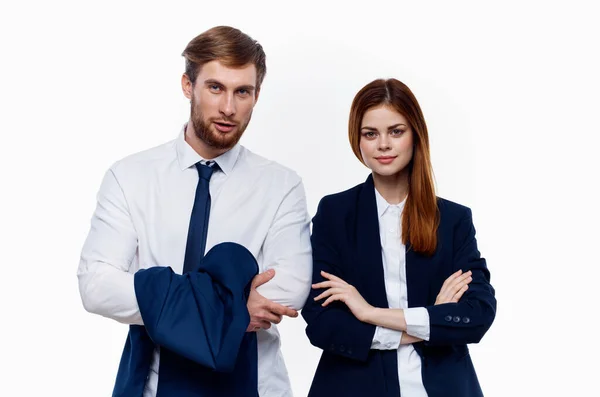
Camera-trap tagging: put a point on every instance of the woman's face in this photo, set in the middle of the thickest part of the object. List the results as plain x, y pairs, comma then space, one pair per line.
386, 140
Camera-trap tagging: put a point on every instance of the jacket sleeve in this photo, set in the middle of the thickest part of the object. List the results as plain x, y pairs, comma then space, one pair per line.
333, 328
201, 315
469, 319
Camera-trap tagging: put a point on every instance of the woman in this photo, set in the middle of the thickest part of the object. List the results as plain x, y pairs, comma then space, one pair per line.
399, 286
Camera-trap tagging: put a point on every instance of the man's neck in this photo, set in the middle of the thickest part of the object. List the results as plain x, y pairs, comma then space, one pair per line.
203, 150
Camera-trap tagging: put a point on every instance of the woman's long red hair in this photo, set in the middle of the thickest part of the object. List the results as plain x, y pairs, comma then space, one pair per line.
420, 219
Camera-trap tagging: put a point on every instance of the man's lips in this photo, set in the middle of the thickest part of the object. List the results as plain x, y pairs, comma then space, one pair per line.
224, 126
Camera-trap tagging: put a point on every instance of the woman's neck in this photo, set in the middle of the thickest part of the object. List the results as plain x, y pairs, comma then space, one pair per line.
393, 188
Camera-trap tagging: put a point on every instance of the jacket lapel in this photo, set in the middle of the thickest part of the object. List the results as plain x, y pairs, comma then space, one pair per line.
369, 266
417, 267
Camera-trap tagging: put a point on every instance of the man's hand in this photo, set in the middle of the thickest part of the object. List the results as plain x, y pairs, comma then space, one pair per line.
262, 311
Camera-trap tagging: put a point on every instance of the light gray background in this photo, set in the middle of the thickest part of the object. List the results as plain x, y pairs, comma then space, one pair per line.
509, 91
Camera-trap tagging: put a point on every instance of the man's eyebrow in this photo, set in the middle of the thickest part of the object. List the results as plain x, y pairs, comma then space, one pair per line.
247, 87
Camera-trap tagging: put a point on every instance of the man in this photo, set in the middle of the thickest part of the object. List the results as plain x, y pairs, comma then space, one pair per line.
145, 201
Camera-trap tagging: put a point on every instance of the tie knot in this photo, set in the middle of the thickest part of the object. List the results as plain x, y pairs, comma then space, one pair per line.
205, 170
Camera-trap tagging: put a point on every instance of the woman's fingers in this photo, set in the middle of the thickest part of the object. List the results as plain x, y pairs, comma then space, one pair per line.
452, 277
327, 284
331, 277
457, 283
336, 297
454, 287
460, 293
329, 292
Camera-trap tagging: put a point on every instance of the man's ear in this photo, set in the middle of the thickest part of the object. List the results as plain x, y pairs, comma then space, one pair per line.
187, 86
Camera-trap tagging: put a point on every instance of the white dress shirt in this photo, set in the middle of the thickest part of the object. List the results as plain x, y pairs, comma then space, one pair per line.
142, 218
393, 254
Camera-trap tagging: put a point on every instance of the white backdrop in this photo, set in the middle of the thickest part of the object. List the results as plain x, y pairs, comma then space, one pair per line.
510, 92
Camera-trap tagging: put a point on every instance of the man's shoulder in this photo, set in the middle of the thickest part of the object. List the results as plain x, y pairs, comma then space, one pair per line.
267, 168
145, 159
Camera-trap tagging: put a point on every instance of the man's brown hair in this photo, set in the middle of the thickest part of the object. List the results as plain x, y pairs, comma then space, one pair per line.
229, 46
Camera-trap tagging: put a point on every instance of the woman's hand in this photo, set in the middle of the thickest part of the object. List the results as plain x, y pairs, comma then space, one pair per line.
454, 287
339, 290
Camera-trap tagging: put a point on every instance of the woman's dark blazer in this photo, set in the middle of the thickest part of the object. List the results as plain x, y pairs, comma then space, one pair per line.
345, 241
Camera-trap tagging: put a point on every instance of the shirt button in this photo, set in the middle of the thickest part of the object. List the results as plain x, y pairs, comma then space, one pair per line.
392, 230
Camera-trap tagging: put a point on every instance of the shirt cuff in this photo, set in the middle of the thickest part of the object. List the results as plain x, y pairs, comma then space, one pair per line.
386, 339
417, 322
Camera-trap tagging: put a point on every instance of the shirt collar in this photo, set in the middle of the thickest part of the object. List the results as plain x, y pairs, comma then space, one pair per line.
187, 156
383, 205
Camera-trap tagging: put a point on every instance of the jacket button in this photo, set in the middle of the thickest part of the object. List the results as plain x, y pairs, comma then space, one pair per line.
342, 348
448, 318
456, 319
349, 352
332, 347
466, 320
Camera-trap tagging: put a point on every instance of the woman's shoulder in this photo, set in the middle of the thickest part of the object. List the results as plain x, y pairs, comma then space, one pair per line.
341, 200
452, 211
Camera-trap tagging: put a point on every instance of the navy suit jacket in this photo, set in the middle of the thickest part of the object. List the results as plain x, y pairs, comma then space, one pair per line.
346, 242
199, 321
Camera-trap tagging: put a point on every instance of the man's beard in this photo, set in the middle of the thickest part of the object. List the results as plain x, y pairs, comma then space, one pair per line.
212, 137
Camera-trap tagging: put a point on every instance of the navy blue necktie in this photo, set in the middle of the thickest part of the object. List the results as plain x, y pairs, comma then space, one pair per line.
178, 375
175, 369
198, 229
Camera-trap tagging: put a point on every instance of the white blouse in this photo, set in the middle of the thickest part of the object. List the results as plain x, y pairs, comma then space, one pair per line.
393, 253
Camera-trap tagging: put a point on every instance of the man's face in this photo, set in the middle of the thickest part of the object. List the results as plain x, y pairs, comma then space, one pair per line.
222, 99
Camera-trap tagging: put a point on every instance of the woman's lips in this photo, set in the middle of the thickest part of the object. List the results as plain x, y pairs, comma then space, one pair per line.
385, 159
